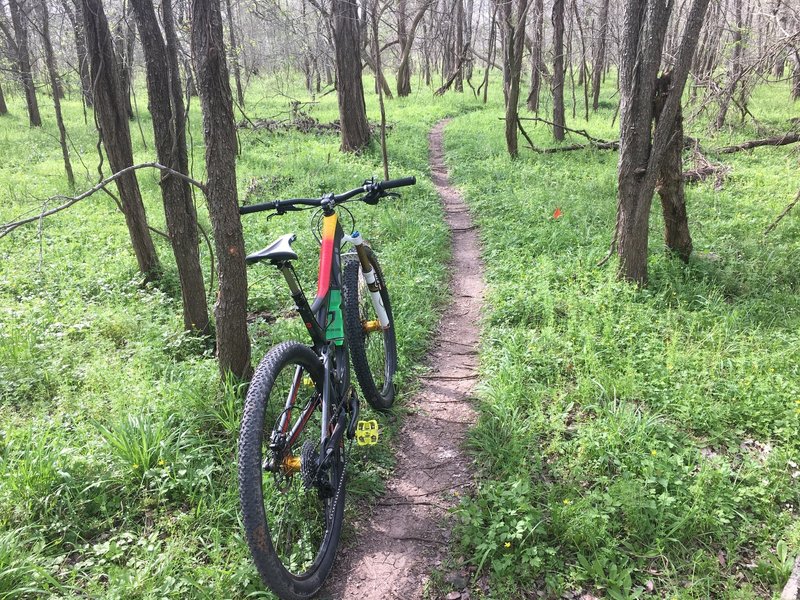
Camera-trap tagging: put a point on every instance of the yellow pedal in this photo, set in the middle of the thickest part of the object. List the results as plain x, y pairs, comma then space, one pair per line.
367, 433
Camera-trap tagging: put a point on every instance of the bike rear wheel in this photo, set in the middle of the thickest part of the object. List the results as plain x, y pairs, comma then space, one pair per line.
373, 350
292, 515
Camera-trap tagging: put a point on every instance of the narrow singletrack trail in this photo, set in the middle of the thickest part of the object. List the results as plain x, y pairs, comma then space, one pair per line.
407, 534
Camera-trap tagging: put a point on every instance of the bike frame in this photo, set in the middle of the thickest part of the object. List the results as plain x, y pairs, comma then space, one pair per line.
325, 324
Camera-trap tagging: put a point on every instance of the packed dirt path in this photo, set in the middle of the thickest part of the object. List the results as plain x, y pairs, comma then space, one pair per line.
408, 532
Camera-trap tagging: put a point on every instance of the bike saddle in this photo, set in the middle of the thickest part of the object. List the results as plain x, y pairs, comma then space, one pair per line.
278, 251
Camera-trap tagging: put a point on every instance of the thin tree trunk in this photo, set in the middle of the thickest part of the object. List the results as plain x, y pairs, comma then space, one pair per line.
406, 39
52, 71
219, 131
349, 87
734, 74
165, 102
234, 52
796, 76
377, 50
112, 121
514, 17
3, 107
19, 21
73, 11
670, 182
536, 57
459, 21
559, 120
599, 55
491, 48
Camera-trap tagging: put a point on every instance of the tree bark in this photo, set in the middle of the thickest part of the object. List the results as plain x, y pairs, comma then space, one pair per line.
459, 43
219, 132
165, 102
112, 121
19, 18
3, 107
559, 120
735, 72
75, 17
670, 182
513, 17
52, 71
796, 76
234, 52
642, 150
599, 55
349, 87
536, 57
126, 39
406, 39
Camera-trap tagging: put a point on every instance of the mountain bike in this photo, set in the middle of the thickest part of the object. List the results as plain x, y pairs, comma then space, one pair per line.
301, 407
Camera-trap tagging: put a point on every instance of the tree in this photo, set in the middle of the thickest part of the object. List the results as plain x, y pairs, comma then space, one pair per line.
405, 37
72, 8
52, 71
165, 101
536, 56
112, 121
19, 19
641, 149
3, 107
350, 90
599, 61
234, 51
513, 14
219, 132
558, 70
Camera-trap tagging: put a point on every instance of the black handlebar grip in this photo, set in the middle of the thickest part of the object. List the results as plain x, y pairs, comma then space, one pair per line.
244, 210
396, 183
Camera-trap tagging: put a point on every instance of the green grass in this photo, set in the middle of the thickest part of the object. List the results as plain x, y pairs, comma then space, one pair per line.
117, 441
625, 435
629, 435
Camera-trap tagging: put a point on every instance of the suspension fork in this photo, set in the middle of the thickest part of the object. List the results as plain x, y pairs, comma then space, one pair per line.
371, 278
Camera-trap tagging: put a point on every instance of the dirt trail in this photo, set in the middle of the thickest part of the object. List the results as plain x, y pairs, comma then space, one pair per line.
408, 532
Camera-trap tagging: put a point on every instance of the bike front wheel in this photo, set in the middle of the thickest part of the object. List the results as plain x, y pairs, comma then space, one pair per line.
291, 510
373, 349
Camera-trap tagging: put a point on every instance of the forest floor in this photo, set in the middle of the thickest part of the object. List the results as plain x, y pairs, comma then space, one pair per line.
407, 534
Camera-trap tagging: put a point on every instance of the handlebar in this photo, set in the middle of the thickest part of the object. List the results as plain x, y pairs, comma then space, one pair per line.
373, 189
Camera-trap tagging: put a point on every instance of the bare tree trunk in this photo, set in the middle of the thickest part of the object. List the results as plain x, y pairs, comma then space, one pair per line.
112, 121
513, 17
734, 75
349, 87
76, 20
219, 131
126, 40
490, 49
468, 62
234, 52
54, 84
19, 19
536, 57
3, 107
670, 183
796, 76
165, 103
599, 55
459, 44
377, 50
559, 121
642, 151
406, 39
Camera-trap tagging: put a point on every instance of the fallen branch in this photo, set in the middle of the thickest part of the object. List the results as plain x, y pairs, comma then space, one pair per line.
7, 228
782, 140
785, 212
704, 168
581, 132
